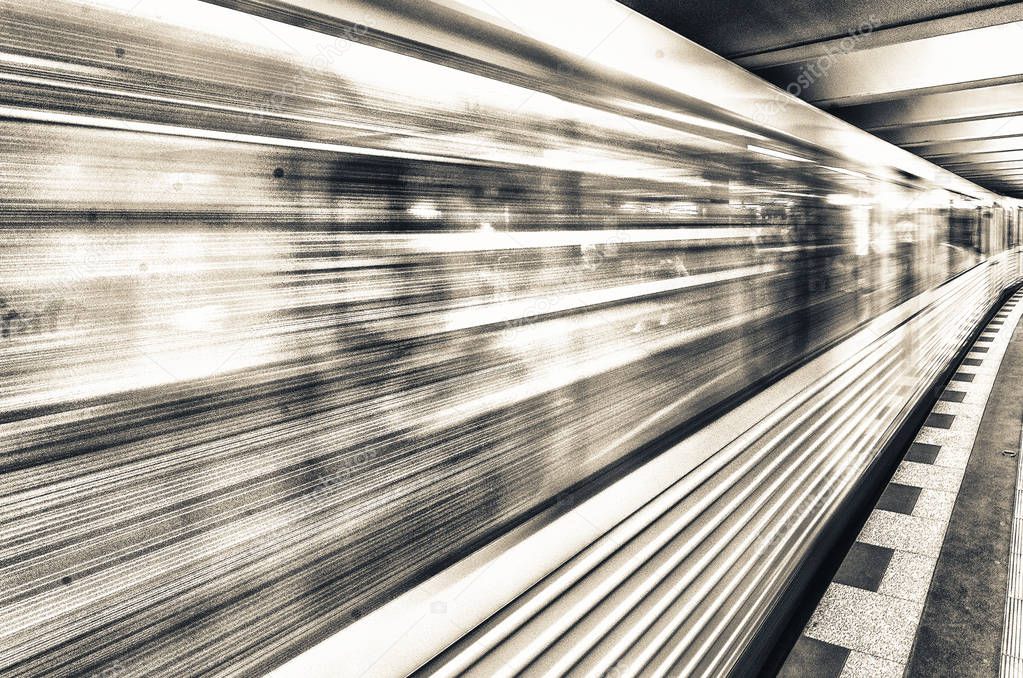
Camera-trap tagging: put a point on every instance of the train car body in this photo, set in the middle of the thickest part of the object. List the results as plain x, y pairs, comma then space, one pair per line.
294, 320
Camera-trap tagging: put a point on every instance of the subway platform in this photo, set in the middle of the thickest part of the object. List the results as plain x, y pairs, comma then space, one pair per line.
931, 585
508, 338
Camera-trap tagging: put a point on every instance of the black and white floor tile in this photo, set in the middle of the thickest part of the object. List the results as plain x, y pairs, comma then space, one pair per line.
866, 622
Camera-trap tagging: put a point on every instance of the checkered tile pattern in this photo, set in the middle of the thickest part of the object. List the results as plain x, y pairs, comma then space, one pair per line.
866, 622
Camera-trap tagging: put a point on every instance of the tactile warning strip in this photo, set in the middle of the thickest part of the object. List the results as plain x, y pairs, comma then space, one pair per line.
866, 622
1012, 635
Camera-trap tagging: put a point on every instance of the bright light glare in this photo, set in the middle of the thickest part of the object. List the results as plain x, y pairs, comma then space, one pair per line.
841, 199
424, 210
861, 230
200, 319
692, 120
840, 170
776, 154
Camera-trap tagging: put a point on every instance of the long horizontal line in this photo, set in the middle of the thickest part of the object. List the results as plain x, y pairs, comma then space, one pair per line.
78, 120
54, 117
476, 316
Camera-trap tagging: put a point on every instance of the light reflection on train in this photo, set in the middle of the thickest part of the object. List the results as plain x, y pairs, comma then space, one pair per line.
283, 377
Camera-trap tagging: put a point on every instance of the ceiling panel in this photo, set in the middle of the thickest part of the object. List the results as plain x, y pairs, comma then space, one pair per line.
735, 28
914, 137
942, 79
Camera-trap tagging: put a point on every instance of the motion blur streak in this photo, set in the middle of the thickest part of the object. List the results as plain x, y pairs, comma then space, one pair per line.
290, 322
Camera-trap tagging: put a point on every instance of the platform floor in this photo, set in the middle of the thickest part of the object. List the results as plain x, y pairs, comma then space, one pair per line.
923, 589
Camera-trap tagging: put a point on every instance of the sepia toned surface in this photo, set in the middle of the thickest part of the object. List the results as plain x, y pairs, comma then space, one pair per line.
291, 322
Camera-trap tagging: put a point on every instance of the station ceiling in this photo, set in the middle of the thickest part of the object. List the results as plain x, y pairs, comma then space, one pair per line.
943, 79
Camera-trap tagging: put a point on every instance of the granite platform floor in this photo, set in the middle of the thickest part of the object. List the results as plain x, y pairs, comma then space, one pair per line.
922, 590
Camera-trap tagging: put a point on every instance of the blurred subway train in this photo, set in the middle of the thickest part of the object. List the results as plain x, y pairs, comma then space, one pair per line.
300, 309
